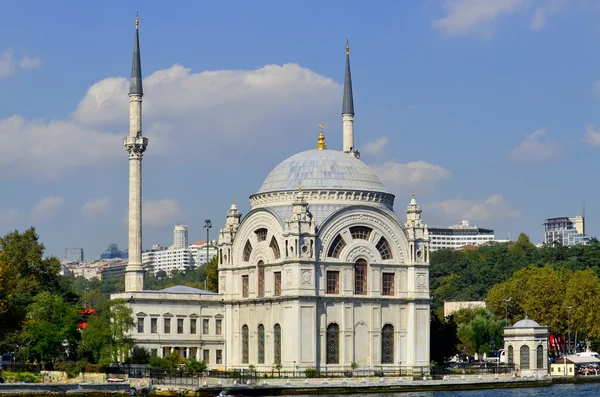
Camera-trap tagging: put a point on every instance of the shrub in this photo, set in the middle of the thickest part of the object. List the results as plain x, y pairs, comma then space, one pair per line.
311, 372
71, 368
12, 377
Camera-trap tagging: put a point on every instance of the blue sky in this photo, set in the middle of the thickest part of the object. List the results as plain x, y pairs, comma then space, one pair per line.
490, 111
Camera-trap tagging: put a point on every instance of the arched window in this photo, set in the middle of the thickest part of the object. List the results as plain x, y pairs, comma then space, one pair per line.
360, 277
261, 344
337, 246
360, 232
511, 354
275, 247
333, 344
540, 357
387, 344
524, 352
261, 234
245, 340
277, 344
261, 278
384, 249
247, 251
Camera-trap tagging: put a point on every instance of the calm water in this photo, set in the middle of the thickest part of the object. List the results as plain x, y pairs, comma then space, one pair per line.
581, 390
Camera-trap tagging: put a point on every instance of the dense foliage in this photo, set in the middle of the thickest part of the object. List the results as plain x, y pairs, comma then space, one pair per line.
43, 318
469, 274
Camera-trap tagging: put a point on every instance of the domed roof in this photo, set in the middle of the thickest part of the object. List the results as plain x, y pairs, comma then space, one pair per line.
320, 170
526, 323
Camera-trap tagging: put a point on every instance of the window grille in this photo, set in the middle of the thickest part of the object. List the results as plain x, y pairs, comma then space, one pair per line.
360, 232
333, 282
337, 246
245, 341
384, 249
387, 344
333, 344
275, 247
277, 343
388, 284
261, 234
360, 277
247, 251
261, 344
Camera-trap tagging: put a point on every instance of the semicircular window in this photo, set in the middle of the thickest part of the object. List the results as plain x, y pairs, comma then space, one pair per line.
261, 234
247, 251
360, 232
336, 247
384, 249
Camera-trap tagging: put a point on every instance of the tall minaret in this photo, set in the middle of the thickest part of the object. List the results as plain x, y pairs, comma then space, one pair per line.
135, 144
348, 109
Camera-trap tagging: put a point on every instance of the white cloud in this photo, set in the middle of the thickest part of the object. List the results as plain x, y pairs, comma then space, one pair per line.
536, 149
474, 16
376, 147
46, 208
9, 64
49, 148
414, 175
9, 215
592, 135
160, 213
96, 207
236, 107
539, 19
457, 209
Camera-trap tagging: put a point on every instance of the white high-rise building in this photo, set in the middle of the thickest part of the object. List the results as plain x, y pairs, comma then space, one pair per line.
200, 251
180, 237
457, 236
564, 230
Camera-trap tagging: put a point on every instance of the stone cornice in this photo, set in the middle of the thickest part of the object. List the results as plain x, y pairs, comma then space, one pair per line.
325, 196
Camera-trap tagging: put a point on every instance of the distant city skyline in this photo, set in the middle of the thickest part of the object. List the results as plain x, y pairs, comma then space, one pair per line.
485, 115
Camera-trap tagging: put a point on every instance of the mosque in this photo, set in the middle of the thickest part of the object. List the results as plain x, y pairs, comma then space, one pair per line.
320, 273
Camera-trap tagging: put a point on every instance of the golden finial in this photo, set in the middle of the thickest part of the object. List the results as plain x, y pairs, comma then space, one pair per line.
413, 194
233, 200
321, 143
347, 47
137, 21
300, 188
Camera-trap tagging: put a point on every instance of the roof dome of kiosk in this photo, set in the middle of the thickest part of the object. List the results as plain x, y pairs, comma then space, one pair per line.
322, 170
526, 323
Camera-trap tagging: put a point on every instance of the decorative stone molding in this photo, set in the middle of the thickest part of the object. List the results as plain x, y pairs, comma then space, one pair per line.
288, 277
396, 238
135, 146
221, 284
359, 251
255, 220
306, 277
421, 280
314, 196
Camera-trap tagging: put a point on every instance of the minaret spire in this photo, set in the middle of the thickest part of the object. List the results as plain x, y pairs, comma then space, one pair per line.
135, 87
135, 144
348, 110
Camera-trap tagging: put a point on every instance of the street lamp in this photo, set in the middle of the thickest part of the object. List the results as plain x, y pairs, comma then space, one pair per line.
207, 225
569, 316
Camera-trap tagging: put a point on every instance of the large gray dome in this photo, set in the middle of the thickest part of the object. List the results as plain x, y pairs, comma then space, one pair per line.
322, 170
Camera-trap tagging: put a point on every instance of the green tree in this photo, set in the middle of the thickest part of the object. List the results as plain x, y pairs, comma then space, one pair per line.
482, 334
50, 323
105, 339
538, 292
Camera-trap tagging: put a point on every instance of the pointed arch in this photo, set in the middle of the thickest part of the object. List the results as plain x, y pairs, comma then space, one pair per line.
247, 251
384, 249
337, 246
275, 248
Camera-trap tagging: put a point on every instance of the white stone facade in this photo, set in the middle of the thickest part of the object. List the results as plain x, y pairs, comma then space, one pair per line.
526, 346
169, 260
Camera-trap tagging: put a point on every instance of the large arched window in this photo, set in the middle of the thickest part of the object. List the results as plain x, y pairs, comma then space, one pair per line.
277, 344
333, 344
247, 251
261, 344
540, 357
360, 277
337, 246
511, 354
387, 344
275, 247
245, 341
524, 359
384, 249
